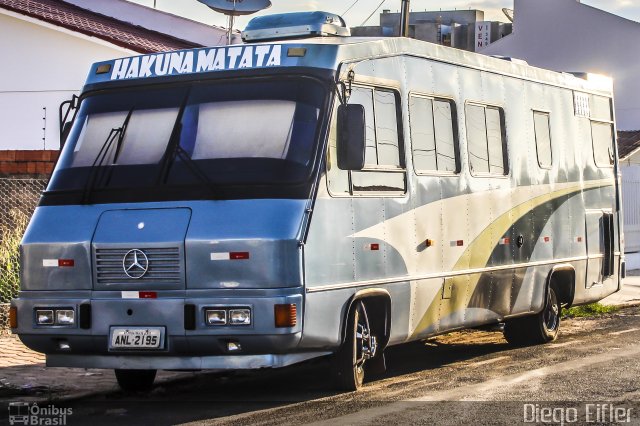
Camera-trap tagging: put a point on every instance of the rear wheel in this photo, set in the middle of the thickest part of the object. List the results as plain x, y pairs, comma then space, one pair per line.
135, 380
536, 329
359, 346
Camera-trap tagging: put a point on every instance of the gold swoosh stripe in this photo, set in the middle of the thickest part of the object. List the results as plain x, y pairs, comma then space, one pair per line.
473, 257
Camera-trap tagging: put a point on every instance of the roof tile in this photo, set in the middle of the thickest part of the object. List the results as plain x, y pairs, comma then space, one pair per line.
74, 18
628, 143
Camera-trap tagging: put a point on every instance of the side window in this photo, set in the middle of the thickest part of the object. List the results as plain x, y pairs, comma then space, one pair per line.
384, 170
602, 136
364, 97
387, 128
477, 139
602, 131
384, 166
433, 135
486, 140
542, 132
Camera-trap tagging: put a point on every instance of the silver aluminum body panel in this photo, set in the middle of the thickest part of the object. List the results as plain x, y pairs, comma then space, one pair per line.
433, 289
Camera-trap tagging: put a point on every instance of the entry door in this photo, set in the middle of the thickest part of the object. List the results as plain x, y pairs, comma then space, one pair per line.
600, 244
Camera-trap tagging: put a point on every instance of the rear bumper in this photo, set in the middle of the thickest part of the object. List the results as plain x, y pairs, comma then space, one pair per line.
189, 343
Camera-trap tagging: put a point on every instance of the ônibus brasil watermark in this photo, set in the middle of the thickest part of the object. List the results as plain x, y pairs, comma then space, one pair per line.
24, 413
596, 413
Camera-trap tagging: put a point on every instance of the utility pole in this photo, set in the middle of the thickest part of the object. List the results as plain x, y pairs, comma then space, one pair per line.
404, 18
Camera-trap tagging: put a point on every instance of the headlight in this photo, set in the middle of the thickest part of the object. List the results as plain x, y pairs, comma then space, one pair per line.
44, 317
216, 317
226, 315
56, 316
240, 317
65, 317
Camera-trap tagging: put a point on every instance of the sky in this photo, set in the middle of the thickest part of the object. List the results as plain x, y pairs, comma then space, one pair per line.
362, 9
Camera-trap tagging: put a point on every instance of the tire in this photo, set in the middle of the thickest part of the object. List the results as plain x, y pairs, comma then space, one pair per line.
135, 380
349, 361
536, 329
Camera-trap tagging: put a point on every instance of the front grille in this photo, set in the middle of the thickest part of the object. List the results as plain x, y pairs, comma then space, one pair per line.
164, 266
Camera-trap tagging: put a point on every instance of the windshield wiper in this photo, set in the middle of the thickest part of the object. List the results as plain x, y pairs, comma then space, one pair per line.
193, 167
116, 135
174, 150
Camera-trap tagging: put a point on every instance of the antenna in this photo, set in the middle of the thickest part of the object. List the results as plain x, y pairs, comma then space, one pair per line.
404, 18
508, 12
233, 8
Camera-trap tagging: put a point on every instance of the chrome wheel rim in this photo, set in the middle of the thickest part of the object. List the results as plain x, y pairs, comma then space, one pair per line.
364, 343
551, 312
362, 337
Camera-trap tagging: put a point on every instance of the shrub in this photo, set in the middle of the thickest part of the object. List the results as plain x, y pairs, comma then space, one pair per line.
10, 238
592, 310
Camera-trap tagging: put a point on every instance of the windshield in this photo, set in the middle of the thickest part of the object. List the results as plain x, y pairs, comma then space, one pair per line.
198, 136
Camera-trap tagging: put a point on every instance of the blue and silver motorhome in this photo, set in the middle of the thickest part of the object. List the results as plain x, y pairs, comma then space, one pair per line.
311, 194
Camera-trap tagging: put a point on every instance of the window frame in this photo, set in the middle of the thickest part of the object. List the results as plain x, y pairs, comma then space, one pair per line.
535, 135
375, 168
503, 134
455, 132
612, 153
611, 124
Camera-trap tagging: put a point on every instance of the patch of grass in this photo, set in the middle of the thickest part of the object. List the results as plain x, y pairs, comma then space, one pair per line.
10, 256
591, 310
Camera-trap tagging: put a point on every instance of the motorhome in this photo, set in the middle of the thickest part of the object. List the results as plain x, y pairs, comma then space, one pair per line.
308, 194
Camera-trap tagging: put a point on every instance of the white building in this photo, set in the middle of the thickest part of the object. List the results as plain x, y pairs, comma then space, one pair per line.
629, 151
47, 48
565, 35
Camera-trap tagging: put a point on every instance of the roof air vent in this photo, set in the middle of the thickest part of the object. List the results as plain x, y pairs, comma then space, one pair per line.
295, 25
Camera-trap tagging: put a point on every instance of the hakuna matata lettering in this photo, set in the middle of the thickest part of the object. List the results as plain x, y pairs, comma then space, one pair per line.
188, 62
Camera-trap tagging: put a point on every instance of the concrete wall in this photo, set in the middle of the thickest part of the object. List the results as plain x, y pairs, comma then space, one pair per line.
42, 66
565, 35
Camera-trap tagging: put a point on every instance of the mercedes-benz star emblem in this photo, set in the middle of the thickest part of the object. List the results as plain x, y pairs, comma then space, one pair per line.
135, 264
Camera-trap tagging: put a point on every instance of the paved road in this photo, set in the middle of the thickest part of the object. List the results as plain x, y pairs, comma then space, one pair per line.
469, 377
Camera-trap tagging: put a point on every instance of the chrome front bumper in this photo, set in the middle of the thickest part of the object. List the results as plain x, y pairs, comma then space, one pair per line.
222, 362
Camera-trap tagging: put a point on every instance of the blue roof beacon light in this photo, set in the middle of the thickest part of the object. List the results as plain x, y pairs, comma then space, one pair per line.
295, 25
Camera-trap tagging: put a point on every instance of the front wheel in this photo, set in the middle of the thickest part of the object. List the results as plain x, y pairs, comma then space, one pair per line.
536, 329
135, 380
359, 346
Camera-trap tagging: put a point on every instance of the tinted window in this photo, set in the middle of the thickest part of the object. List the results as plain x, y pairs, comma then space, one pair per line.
602, 131
383, 170
387, 128
432, 135
494, 142
444, 122
601, 108
543, 138
602, 136
477, 139
378, 181
192, 137
485, 138
423, 138
364, 97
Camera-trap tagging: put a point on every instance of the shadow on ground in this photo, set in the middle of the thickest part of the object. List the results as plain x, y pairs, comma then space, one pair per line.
207, 396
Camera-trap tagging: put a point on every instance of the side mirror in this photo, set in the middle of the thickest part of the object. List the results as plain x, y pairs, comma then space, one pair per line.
64, 134
66, 114
351, 137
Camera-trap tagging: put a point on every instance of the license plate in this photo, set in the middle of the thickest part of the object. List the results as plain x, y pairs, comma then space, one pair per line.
136, 337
